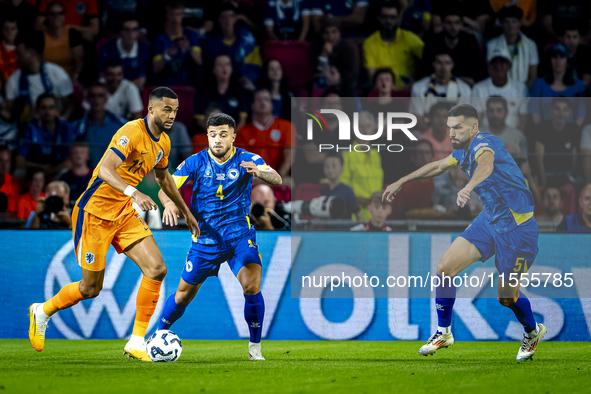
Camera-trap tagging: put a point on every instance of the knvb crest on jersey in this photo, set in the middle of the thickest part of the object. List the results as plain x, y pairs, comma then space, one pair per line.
87, 319
344, 133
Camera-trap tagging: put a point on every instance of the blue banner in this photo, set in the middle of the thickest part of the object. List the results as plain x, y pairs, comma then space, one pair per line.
35, 264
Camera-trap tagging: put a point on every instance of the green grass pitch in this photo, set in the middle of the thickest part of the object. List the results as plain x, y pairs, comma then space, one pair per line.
295, 367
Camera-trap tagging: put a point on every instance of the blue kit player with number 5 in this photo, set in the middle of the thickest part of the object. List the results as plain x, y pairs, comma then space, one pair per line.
505, 228
222, 184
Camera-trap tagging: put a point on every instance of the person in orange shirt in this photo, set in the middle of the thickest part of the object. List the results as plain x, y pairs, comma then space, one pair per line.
27, 202
81, 15
104, 216
63, 44
268, 136
7, 48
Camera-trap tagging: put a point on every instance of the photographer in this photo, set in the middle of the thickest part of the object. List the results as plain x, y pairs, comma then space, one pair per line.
262, 210
53, 211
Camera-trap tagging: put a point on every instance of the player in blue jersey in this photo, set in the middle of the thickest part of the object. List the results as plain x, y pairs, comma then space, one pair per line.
505, 228
222, 184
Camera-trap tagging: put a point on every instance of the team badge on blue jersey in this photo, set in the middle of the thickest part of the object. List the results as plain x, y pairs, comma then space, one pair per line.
233, 173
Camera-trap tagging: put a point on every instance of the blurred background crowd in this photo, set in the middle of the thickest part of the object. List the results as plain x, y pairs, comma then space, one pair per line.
72, 72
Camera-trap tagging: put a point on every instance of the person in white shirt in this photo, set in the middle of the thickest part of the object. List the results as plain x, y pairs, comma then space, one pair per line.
124, 96
442, 85
35, 77
524, 51
499, 84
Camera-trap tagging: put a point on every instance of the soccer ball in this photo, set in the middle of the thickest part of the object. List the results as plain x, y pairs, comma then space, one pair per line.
164, 346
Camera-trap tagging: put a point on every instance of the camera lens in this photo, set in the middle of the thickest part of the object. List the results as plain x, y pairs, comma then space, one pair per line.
258, 210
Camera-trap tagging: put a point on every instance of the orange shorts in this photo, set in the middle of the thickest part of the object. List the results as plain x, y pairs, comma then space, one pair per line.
93, 236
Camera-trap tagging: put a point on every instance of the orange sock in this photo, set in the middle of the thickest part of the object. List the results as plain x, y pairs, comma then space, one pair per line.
147, 298
68, 296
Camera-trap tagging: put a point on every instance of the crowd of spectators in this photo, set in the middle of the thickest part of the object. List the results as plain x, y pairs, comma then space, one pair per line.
72, 72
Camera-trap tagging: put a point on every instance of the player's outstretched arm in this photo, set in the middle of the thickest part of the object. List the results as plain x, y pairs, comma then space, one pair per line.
171, 195
483, 170
108, 173
427, 171
269, 175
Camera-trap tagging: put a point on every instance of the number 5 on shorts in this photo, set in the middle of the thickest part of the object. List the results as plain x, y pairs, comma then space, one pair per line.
520, 263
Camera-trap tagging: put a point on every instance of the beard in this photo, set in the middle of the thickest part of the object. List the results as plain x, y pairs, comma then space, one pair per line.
496, 123
160, 124
220, 154
459, 145
388, 33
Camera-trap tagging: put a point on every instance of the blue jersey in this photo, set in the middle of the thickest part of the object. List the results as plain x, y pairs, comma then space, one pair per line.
135, 63
573, 224
243, 52
506, 200
46, 146
286, 18
221, 194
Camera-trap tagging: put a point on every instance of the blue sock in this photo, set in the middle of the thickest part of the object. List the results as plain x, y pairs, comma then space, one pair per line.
171, 313
523, 313
254, 311
445, 296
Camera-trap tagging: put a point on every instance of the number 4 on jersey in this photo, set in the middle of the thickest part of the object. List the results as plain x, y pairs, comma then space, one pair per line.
219, 192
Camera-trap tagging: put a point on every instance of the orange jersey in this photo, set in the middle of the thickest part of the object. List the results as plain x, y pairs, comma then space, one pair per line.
269, 142
140, 152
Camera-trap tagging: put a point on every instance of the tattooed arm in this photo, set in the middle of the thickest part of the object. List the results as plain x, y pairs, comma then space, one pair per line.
270, 176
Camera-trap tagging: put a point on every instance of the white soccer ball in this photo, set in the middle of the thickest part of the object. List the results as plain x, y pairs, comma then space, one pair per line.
164, 346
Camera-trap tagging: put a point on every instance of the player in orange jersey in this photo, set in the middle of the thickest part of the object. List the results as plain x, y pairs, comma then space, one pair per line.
104, 216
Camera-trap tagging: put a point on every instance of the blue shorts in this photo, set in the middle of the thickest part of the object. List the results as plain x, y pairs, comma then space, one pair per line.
514, 251
204, 261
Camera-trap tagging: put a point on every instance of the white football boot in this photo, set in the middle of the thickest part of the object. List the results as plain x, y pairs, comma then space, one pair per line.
436, 342
37, 326
136, 348
530, 345
254, 351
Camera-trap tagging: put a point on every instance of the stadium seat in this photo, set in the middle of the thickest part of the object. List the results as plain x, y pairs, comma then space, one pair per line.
307, 191
282, 193
186, 99
100, 44
568, 199
293, 57
200, 142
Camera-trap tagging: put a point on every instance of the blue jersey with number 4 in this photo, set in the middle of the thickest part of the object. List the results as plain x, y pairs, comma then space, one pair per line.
506, 200
221, 195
